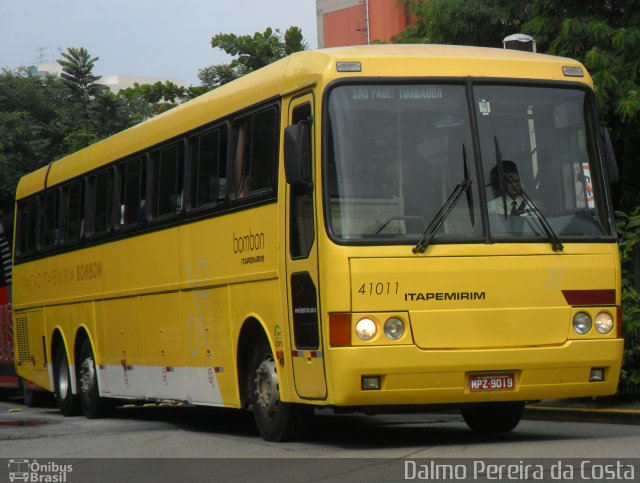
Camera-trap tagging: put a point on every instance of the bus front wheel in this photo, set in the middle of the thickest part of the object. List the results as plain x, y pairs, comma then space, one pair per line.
67, 401
276, 420
93, 406
499, 417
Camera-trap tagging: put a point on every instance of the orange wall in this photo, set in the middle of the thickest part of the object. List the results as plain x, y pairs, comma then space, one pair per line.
386, 19
344, 27
347, 26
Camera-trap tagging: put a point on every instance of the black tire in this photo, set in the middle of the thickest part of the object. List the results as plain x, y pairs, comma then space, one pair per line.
34, 398
276, 420
5, 393
93, 406
500, 417
66, 400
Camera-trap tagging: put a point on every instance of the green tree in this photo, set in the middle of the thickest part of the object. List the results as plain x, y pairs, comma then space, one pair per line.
77, 73
30, 132
629, 240
251, 53
147, 100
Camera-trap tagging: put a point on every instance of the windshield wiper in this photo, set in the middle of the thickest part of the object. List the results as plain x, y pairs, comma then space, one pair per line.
443, 212
556, 243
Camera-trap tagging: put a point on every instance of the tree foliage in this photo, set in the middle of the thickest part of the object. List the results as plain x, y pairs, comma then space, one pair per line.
251, 53
629, 240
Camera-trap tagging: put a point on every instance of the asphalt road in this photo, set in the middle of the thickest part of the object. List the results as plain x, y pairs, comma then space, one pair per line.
165, 443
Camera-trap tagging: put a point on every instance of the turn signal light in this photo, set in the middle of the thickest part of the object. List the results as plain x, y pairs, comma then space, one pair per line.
340, 329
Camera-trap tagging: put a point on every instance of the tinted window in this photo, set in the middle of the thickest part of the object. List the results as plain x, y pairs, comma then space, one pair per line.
27, 215
301, 233
256, 142
102, 201
132, 192
50, 218
74, 213
168, 169
209, 167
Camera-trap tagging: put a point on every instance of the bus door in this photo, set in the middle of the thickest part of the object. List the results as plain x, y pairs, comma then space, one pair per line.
302, 270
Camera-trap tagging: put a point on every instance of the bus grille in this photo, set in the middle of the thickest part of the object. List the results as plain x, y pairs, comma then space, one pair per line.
22, 339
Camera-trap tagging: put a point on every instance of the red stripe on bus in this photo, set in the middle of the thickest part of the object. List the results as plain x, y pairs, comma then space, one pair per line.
590, 297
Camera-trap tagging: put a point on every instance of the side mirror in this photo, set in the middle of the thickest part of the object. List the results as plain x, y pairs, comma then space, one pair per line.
610, 156
297, 154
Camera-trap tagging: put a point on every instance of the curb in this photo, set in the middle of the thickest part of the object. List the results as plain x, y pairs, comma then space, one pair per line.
581, 414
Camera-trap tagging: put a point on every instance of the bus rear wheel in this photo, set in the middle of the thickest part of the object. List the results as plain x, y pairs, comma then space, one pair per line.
93, 406
499, 417
67, 401
34, 398
276, 420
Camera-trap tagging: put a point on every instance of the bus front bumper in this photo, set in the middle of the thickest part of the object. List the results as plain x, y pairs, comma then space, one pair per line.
409, 375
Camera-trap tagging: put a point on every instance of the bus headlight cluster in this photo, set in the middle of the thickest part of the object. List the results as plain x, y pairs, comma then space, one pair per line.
394, 328
604, 323
366, 328
582, 323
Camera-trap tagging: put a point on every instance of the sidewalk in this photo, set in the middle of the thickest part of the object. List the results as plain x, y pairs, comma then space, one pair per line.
601, 410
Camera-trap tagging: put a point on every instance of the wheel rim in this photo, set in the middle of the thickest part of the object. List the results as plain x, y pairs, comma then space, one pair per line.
63, 380
267, 392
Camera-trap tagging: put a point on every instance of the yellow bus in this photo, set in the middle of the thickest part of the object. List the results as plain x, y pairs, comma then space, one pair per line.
360, 228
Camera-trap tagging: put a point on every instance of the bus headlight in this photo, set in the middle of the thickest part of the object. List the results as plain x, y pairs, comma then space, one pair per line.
581, 323
366, 329
604, 323
394, 328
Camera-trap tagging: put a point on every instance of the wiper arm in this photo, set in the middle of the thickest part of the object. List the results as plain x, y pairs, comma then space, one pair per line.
556, 243
442, 214
472, 217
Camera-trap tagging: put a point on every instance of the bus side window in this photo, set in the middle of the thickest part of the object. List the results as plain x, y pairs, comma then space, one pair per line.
101, 202
132, 178
255, 143
50, 218
208, 167
302, 231
168, 171
73, 211
27, 223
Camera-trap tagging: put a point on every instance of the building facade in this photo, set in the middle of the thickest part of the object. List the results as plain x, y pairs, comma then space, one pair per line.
359, 22
115, 83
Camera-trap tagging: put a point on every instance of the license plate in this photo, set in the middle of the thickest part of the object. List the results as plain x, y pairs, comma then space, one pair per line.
504, 381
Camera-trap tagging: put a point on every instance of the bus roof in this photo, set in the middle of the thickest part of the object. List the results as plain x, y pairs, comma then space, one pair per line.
297, 71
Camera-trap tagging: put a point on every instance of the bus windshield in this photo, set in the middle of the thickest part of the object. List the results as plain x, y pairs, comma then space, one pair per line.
396, 153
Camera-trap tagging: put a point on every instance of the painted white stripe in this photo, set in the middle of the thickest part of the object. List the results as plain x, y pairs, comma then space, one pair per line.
191, 384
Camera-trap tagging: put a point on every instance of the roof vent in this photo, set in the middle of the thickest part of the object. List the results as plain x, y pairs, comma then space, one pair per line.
519, 42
